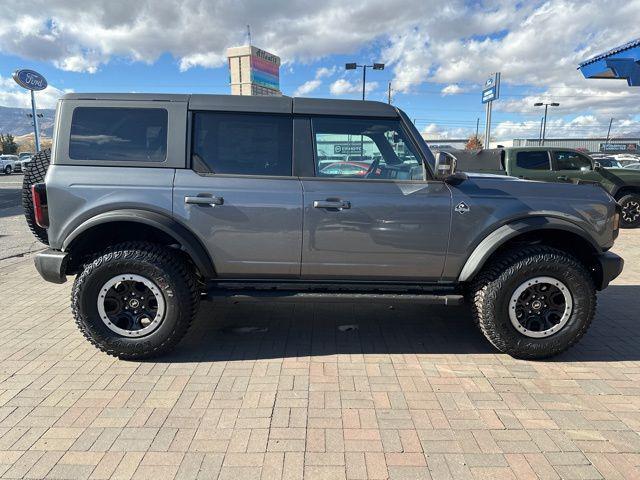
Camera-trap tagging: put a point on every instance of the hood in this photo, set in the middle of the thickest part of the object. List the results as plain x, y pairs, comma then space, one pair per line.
627, 174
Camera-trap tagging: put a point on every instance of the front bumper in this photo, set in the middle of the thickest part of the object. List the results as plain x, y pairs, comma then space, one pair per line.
609, 267
52, 265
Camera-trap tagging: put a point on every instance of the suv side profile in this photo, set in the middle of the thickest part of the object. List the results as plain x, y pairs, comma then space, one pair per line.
155, 202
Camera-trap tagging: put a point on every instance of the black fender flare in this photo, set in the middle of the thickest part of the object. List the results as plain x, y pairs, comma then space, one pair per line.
506, 232
187, 240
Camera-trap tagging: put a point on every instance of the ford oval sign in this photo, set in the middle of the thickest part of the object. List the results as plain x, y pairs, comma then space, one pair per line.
30, 80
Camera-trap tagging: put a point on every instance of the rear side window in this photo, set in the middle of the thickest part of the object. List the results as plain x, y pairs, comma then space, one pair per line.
242, 144
119, 134
536, 160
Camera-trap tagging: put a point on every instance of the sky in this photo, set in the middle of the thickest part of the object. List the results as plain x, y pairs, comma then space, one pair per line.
437, 53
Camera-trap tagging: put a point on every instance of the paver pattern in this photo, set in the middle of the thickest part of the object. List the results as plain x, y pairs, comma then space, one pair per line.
269, 391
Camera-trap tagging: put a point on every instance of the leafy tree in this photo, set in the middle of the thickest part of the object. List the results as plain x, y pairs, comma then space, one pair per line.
474, 143
9, 146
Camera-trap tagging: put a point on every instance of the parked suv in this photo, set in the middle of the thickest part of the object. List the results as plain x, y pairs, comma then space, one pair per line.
8, 164
157, 201
565, 165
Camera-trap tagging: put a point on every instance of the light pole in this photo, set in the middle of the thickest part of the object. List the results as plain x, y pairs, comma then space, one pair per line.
544, 123
353, 66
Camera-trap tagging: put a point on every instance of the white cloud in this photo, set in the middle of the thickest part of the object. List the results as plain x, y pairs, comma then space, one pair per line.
434, 131
452, 89
343, 86
323, 72
12, 95
306, 88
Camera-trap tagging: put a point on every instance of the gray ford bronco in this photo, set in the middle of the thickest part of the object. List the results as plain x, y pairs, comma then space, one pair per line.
156, 202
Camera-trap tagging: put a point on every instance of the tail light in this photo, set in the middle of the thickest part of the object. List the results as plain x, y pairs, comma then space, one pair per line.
40, 209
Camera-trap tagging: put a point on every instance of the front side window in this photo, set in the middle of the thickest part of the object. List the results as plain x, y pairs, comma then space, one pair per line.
572, 161
364, 149
119, 134
534, 160
242, 144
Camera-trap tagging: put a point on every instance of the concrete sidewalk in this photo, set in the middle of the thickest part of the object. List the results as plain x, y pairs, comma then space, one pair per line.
404, 392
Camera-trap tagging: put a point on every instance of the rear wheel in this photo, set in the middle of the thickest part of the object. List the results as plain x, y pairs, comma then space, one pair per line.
34, 172
534, 302
630, 217
8, 170
136, 300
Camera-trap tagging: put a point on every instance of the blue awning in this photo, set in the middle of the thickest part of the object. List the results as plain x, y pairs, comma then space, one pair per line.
622, 62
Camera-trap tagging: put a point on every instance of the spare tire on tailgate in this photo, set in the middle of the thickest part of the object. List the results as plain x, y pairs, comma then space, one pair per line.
35, 171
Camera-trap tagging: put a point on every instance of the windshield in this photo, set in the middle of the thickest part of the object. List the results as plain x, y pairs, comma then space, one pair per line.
428, 155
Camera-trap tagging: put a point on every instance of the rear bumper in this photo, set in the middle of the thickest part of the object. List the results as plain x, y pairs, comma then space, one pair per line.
52, 265
610, 266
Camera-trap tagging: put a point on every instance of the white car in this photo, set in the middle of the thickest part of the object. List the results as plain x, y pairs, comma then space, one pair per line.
633, 166
8, 164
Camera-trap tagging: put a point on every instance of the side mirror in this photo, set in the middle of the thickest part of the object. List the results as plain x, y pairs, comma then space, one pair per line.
597, 166
445, 165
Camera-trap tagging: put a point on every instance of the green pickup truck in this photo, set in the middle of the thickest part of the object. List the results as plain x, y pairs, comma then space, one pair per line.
551, 164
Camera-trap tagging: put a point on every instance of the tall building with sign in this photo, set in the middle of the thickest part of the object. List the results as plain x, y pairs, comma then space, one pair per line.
253, 71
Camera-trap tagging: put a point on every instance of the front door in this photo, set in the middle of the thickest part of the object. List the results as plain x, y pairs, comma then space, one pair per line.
574, 167
240, 197
369, 212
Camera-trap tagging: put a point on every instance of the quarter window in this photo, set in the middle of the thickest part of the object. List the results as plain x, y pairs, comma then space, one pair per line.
572, 161
242, 144
534, 160
364, 149
119, 134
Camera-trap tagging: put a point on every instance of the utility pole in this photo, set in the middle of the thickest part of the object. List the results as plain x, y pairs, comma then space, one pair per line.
389, 94
609, 131
477, 126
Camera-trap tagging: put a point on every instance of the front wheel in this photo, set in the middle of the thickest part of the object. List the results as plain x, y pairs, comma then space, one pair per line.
136, 300
630, 205
534, 302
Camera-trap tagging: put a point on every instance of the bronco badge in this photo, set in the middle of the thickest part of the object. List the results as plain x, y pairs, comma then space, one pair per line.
462, 208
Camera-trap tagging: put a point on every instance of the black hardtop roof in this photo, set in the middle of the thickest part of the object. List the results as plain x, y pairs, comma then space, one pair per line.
262, 104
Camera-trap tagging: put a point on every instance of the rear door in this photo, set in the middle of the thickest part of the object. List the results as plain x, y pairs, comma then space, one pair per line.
532, 165
239, 196
381, 219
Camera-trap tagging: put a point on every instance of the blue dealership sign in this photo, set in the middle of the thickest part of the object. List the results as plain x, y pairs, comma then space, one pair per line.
491, 89
29, 79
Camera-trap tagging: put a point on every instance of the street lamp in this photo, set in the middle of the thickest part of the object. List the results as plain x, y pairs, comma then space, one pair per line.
544, 122
353, 66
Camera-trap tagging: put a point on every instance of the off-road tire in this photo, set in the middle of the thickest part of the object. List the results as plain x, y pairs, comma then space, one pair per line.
496, 283
8, 170
173, 275
625, 202
34, 172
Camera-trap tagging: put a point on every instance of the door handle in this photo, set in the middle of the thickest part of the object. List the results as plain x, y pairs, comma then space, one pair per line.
337, 204
211, 201
564, 178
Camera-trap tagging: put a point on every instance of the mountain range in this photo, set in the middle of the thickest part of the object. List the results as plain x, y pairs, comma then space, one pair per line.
15, 121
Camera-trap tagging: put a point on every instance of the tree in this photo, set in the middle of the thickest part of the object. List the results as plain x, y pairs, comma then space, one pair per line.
9, 146
474, 143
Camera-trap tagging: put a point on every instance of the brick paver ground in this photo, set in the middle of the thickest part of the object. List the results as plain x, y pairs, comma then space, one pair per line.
410, 392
